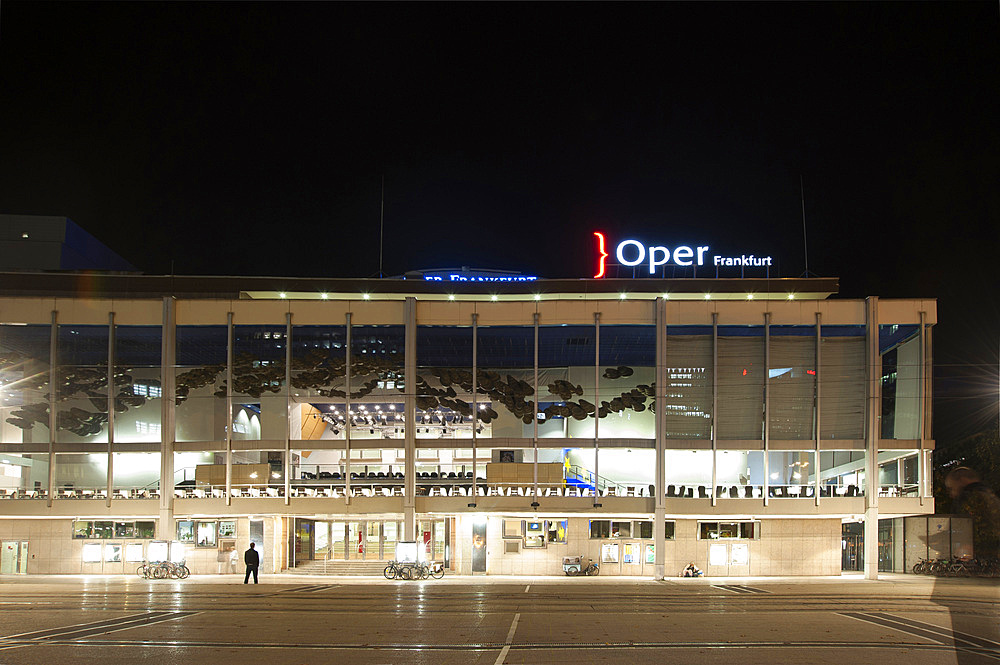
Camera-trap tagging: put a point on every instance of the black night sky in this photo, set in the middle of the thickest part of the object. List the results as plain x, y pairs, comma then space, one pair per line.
250, 139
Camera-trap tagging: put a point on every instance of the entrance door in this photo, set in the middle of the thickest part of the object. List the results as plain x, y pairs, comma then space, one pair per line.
373, 541
852, 552
321, 537
356, 540
390, 536
8, 557
338, 540
13, 557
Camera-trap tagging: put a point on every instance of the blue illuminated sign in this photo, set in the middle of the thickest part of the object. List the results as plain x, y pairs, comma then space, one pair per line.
473, 275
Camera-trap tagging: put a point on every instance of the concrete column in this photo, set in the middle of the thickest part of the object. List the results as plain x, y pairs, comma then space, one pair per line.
924, 407
597, 409
659, 486
409, 418
767, 402
715, 394
534, 421
53, 389
168, 396
926, 468
347, 410
475, 407
287, 459
229, 410
111, 406
873, 373
816, 395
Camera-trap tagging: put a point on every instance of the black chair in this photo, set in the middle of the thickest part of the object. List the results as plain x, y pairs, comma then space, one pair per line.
325, 474
748, 492
451, 474
335, 475
702, 492
734, 492
671, 490
652, 490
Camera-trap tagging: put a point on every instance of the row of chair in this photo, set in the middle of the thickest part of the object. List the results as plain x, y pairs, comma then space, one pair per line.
447, 489
382, 475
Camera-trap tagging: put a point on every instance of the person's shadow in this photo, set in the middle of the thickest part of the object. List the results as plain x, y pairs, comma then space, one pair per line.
973, 603
973, 607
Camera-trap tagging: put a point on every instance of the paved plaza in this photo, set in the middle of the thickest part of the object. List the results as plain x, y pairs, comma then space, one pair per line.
292, 620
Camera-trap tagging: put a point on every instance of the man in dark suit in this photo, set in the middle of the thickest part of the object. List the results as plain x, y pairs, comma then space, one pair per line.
252, 559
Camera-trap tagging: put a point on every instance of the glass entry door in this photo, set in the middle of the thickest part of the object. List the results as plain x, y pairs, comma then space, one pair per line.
356, 540
322, 540
338, 540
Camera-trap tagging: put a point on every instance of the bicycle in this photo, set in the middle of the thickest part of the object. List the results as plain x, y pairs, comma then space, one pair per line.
159, 570
391, 571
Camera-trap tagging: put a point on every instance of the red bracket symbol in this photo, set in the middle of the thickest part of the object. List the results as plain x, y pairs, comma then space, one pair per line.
603, 255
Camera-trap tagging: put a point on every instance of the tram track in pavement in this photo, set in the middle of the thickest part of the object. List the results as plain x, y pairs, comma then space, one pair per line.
405, 606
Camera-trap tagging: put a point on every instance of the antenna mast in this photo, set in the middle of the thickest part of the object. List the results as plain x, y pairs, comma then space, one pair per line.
381, 227
805, 240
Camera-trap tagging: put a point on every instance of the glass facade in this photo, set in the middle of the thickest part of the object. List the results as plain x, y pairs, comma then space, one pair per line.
752, 416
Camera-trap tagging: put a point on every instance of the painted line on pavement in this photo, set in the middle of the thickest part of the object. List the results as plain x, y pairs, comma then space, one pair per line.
510, 637
39, 634
895, 625
956, 636
98, 628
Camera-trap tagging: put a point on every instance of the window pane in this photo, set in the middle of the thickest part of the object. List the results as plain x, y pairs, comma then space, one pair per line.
82, 403
24, 373
741, 382
644, 529
512, 529
200, 374
138, 387
104, 529
729, 530
627, 364
621, 529
842, 387
556, 530
688, 413
206, 534
669, 531
600, 529
791, 384
185, 531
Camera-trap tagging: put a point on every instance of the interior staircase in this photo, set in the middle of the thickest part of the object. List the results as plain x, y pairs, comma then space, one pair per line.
331, 567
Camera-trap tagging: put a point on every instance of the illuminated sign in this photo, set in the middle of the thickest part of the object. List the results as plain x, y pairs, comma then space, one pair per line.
632, 253
465, 274
458, 277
